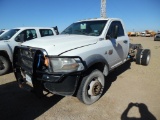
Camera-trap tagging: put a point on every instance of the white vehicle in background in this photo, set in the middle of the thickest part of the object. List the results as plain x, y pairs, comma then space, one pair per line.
144, 34
15, 37
157, 37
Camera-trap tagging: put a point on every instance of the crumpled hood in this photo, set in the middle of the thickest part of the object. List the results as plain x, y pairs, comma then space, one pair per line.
55, 45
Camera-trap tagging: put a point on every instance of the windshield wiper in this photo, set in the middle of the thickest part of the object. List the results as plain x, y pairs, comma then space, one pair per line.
64, 32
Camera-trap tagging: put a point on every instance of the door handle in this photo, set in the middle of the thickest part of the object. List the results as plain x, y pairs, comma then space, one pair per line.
125, 41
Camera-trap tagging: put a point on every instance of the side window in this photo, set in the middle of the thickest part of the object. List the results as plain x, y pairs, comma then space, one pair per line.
26, 35
120, 30
112, 29
46, 32
31, 34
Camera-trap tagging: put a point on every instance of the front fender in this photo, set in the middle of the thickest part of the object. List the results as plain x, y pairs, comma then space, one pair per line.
5, 50
96, 58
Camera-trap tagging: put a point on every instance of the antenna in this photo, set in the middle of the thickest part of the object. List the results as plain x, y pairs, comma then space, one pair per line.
103, 8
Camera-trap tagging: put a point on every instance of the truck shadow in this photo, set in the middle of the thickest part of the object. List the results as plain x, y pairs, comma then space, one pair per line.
114, 74
18, 104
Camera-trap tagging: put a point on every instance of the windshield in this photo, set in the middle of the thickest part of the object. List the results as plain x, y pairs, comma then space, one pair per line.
91, 28
9, 34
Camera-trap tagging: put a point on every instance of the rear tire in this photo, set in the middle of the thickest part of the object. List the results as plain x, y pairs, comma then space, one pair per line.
5, 64
138, 56
146, 57
91, 87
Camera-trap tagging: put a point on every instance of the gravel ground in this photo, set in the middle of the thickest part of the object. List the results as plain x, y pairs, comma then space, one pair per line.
131, 93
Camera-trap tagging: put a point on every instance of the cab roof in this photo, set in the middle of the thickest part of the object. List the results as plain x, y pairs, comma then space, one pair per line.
95, 19
32, 28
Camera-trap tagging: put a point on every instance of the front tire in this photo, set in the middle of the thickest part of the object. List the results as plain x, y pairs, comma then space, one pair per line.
5, 65
91, 87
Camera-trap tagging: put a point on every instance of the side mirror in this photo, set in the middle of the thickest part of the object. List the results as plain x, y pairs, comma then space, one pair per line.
115, 32
20, 38
56, 30
108, 37
17, 39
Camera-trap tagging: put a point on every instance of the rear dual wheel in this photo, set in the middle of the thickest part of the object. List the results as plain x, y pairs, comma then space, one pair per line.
146, 57
143, 56
138, 56
91, 87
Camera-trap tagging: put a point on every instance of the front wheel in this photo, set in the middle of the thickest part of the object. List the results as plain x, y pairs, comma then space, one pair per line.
91, 87
5, 65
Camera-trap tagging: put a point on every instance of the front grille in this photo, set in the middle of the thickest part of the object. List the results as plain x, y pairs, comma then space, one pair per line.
26, 59
27, 62
28, 53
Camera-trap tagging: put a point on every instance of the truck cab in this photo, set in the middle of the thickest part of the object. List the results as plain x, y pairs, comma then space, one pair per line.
74, 62
15, 37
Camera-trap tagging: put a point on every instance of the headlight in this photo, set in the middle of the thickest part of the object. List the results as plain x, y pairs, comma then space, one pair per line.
66, 64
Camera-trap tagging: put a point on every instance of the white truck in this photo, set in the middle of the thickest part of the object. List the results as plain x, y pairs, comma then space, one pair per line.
15, 37
76, 61
145, 34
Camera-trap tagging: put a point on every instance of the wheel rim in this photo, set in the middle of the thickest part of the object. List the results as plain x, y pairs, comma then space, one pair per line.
95, 87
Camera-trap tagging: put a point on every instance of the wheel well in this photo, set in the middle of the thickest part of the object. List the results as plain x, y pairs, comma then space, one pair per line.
99, 66
4, 54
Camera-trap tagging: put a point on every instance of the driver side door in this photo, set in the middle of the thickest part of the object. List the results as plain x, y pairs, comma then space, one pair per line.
120, 44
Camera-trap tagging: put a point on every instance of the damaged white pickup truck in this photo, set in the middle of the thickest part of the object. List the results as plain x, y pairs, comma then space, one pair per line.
77, 61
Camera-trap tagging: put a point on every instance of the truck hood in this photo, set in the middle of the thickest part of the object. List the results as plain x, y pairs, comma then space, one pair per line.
55, 45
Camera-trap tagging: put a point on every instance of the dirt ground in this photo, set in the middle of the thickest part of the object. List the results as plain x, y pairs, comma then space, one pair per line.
132, 91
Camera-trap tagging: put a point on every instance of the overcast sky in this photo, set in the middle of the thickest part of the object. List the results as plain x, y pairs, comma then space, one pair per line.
137, 15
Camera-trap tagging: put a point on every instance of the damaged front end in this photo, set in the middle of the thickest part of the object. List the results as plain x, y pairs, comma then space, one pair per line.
56, 74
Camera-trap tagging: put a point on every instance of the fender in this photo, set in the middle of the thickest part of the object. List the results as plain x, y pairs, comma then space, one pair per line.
4, 48
97, 58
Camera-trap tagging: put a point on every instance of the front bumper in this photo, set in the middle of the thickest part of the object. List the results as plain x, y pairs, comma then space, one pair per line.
57, 83
66, 86
60, 83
